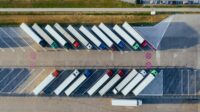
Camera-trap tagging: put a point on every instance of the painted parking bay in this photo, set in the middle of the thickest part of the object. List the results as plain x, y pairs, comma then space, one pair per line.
12, 78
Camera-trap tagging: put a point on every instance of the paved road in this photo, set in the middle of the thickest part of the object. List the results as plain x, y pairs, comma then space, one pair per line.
99, 59
99, 9
61, 104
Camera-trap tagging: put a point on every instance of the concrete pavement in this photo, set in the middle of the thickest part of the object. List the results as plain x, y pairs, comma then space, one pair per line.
102, 59
99, 9
64, 104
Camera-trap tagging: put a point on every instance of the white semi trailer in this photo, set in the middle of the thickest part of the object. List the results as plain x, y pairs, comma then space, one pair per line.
113, 36
79, 37
148, 79
32, 34
126, 102
134, 34
125, 81
111, 83
66, 82
100, 82
132, 84
78, 82
103, 37
92, 38
67, 35
126, 37
45, 82
44, 35
57, 36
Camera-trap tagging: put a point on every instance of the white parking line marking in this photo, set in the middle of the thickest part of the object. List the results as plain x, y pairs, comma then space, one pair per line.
181, 82
44, 49
66, 50
1, 48
22, 80
126, 51
11, 80
8, 45
1, 70
195, 82
32, 81
20, 36
12, 39
188, 82
7, 75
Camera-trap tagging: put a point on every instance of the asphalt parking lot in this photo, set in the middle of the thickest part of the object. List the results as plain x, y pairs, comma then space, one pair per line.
13, 38
182, 81
11, 78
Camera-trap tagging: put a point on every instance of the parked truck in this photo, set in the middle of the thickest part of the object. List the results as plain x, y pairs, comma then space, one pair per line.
126, 102
100, 82
78, 82
44, 35
92, 38
57, 36
113, 36
45, 82
66, 82
67, 35
134, 34
111, 83
103, 37
32, 34
79, 37
145, 82
125, 81
132, 84
126, 37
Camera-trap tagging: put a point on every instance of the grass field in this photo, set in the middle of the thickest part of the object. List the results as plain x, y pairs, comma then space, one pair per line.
76, 4
64, 3
81, 19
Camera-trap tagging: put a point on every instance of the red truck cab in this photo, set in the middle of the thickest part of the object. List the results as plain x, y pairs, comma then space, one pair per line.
144, 44
76, 44
121, 72
55, 73
109, 72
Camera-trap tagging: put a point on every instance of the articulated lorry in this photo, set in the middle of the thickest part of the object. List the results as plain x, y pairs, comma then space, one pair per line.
67, 35
32, 34
125, 81
44, 35
134, 34
132, 84
111, 83
57, 36
103, 37
113, 36
78, 82
66, 82
100, 82
147, 80
79, 37
126, 102
45, 82
126, 37
92, 38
